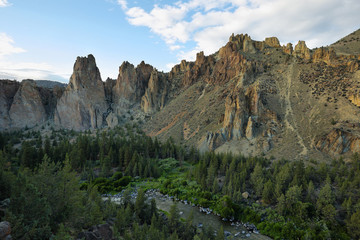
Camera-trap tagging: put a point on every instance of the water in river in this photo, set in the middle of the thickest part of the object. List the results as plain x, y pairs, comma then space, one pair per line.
235, 231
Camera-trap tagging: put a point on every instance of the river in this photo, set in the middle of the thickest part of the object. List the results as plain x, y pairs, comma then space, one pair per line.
234, 230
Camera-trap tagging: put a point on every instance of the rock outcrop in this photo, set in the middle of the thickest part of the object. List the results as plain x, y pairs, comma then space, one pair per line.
250, 96
131, 84
288, 49
301, 50
27, 109
272, 42
326, 55
241, 111
83, 104
155, 95
8, 90
5, 231
338, 142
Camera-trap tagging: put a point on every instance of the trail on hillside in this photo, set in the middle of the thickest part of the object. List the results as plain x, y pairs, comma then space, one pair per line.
289, 115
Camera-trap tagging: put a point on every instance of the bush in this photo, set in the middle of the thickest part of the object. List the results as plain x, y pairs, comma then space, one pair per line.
117, 176
100, 180
123, 182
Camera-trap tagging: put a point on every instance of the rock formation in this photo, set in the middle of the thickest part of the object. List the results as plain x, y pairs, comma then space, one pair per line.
82, 106
338, 142
254, 97
27, 109
8, 90
324, 54
155, 95
272, 42
301, 50
288, 49
131, 83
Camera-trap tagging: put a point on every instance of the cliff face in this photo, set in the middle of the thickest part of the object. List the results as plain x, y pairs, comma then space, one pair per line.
155, 94
26, 104
131, 83
258, 97
251, 97
27, 108
83, 104
8, 90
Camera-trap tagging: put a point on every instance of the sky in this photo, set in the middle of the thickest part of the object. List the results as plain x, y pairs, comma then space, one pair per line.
40, 39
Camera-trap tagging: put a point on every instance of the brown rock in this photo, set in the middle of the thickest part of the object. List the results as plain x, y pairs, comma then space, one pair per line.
155, 95
27, 108
301, 50
272, 42
235, 116
338, 142
82, 106
326, 55
131, 84
355, 99
289, 49
201, 69
250, 129
352, 66
239, 43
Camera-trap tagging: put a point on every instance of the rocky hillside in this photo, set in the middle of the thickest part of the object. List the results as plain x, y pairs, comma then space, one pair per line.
253, 97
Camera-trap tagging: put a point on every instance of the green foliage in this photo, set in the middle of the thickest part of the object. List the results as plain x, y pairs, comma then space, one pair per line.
313, 201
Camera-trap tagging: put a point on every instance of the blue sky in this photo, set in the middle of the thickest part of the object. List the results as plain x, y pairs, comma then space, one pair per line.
41, 39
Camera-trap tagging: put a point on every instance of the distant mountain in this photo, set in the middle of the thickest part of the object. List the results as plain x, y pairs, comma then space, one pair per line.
252, 97
49, 84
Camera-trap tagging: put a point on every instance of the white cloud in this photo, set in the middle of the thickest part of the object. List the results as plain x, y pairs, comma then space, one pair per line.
123, 4
4, 3
28, 70
209, 23
7, 47
22, 70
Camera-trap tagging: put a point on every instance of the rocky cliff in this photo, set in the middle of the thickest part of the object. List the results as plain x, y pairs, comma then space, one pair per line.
26, 104
8, 90
27, 108
251, 97
131, 83
83, 104
258, 97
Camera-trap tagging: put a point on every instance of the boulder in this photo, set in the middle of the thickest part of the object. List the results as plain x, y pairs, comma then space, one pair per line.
5, 231
245, 195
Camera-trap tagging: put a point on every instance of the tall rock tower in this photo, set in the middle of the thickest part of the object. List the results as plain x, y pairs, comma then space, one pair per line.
83, 105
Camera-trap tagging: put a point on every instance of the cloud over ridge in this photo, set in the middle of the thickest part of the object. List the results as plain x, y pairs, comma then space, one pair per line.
209, 23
